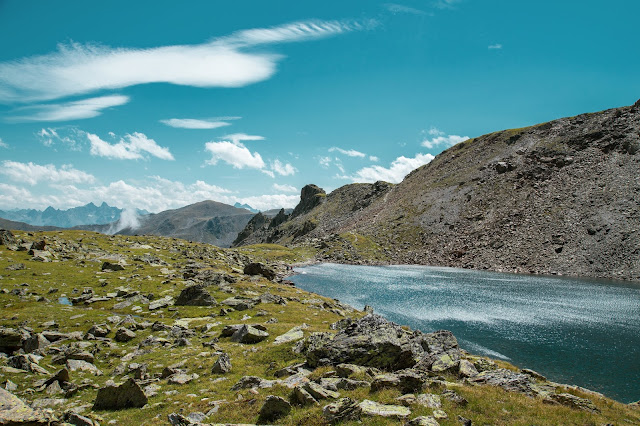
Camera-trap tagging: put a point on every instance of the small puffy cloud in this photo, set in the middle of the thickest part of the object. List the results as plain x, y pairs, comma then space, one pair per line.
373, 158
68, 136
324, 162
34, 173
3, 144
399, 168
284, 188
282, 168
192, 123
234, 154
348, 152
75, 110
438, 138
131, 147
496, 46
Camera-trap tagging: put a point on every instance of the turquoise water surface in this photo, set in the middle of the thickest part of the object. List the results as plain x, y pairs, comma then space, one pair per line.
574, 331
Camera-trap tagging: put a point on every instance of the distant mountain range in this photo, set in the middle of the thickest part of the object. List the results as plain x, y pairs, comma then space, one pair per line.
89, 214
245, 206
556, 198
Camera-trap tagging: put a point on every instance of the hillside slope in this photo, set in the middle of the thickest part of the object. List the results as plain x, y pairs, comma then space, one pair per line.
555, 198
207, 222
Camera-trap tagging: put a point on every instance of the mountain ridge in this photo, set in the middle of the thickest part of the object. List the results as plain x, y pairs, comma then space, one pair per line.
554, 198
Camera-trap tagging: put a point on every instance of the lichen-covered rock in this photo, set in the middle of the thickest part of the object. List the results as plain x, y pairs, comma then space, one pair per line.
195, 295
372, 408
573, 401
249, 334
222, 364
274, 408
114, 397
292, 335
507, 380
423, 421
124, 335
240, 303
15, 412
344, 409
300, 396
12, 339
466, 368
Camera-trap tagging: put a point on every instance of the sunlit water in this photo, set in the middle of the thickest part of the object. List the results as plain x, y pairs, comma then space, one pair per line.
574, 331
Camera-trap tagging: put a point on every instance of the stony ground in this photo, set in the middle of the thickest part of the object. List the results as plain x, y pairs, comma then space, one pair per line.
148, 330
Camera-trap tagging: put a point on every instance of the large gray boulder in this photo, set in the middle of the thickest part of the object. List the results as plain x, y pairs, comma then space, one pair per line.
12, 339
257, 268
7, 239
15, 412
249, 334
274, 408
195, 295
375, 342
114, 397
344, 409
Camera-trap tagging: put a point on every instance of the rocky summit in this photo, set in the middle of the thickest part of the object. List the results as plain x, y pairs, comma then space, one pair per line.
554, 198
186, 333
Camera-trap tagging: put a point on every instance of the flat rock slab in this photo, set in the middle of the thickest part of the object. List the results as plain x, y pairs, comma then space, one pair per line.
292, 335
78, 364
13, 411
160, 303
114, 397
371, 408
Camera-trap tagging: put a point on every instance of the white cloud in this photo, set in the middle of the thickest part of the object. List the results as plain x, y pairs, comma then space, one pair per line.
51, 136
399, 8
3, 144
271, 201
235, 154
283, 169
34, 173
324, 162
192, 123
284, 188
399, 168
76, 69
131, 147
440, 139
494, 46
237, 138
445, 4
75, 110
348, 152
374, 158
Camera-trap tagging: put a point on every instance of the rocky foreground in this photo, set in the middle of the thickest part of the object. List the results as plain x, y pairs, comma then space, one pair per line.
147, 330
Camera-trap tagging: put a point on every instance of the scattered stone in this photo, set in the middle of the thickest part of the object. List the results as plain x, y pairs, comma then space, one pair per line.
76, 419
249, 334
99, 330
195, 295
124, 335
12, 339
440, 414
292, 335
222, 364
371, 408
15, 412
257, 268
8, 239
27, 363
35, 342
464, 421
108, 266
466, 368
127, 395
77, 364
249, 382
318, 392
423, 421
16, 267
572, 401
344, 409
274, 408
182, 378
240, 303
507, 380
534, 374
300, 396
161, 303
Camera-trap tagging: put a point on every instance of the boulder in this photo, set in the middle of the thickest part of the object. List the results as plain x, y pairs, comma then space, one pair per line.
274, 408
222, 364
124, 335
466, 368
371, 408
183, 378
195, 295
7, 239
257, 268
160, 303
292, 335
423, 421
318, 392
240, 303
108, 266
13, 411
35, 342
99, 330
77, 364
572, 401
369, 341
27, 363
250, 382
300, 396
12, 339
113, 397
249, 334
507, 380
76, 419
344, 409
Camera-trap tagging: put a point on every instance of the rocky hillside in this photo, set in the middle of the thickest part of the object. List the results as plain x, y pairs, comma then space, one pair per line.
207, 222
555, 198
129, 330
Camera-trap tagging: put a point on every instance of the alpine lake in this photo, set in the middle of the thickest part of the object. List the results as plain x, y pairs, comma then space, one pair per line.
575, 331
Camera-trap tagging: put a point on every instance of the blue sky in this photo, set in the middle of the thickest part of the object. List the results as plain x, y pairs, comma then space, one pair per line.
159, 104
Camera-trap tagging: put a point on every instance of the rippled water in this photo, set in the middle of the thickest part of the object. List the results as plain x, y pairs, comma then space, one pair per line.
574, 331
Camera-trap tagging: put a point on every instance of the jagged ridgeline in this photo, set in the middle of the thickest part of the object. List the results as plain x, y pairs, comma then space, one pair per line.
554, 198
145, 330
